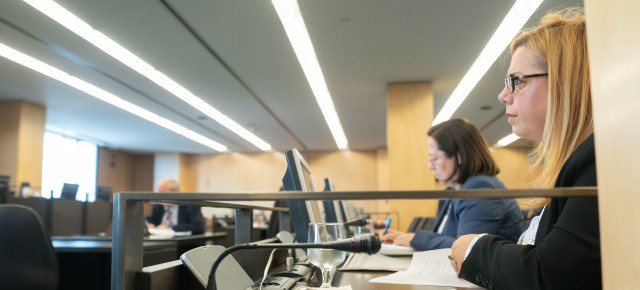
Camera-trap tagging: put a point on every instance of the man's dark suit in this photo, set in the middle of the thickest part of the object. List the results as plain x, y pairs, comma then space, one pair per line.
189, 218
567, 250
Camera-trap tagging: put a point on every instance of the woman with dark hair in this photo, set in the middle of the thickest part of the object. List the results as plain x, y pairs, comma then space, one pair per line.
460, 159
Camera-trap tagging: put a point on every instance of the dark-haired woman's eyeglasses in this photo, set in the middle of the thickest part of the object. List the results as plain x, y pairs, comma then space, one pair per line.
511, 81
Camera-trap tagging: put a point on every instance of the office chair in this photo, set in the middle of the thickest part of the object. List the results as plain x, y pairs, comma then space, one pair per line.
27, 257
422, 223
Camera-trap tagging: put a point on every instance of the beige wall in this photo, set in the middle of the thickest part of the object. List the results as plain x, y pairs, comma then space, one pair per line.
21, 142
349, 171
239, 172
125, 171
614, 51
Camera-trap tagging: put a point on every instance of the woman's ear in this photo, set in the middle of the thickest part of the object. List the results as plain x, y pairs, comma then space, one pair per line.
459, 162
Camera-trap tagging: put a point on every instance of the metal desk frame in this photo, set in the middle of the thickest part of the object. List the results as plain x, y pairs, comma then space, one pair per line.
128, 214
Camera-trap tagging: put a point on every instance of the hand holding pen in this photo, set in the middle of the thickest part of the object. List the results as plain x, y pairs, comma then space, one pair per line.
386, 226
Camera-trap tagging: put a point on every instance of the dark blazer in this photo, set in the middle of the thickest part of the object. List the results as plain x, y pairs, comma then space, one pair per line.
473, 216
189, 218
567, 250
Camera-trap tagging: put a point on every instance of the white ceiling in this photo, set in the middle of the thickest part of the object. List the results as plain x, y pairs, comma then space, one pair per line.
245, 67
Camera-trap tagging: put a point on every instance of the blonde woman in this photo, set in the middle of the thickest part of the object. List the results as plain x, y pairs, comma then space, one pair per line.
548, 99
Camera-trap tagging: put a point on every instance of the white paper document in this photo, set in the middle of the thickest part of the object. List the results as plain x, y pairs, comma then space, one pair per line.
348, 287
428, 268
375, 262
395, 250
166, 233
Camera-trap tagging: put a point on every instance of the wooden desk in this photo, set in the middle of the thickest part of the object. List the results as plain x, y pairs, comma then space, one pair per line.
359, 280
174, 276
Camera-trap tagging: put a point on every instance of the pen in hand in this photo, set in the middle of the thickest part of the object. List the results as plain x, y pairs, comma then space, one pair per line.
386, 226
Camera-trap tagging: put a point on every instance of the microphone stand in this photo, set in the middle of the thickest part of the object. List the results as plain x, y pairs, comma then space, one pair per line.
356, 246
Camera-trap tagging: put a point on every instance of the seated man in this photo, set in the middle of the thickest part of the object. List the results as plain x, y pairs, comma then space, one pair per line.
180, 218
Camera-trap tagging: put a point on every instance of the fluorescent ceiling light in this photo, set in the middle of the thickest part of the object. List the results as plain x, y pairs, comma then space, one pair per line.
508, 29
507, 140
291, 19
101, 41
105, 96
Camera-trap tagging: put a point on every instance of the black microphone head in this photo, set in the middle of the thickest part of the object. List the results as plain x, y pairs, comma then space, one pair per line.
361, 222
370, 244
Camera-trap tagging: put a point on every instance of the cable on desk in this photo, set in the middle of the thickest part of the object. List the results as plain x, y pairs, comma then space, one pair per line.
266, 268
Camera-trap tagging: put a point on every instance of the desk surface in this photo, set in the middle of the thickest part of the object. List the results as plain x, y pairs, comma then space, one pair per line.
360, 280
178, 239
102, 246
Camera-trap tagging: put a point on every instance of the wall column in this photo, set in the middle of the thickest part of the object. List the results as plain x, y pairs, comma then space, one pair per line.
409, 116
21, 143
615, 68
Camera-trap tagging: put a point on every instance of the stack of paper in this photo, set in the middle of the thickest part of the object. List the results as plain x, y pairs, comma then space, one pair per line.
166, 233
395, 250
375, 262
428, 268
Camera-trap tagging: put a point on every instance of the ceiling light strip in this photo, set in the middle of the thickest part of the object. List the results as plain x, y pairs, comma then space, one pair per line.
296, 30
105, 96
101, 41
507, 140
508, 29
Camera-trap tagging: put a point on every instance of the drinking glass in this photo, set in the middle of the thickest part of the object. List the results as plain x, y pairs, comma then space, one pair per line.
325, 259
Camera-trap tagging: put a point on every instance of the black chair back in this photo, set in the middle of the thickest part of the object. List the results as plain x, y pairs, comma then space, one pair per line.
27, 259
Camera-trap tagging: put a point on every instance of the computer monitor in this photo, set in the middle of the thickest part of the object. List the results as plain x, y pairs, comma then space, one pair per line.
104, 193
332, 210
298, 177
69, 191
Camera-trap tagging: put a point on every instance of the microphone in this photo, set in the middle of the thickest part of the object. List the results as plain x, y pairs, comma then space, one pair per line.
368, 244
361, 222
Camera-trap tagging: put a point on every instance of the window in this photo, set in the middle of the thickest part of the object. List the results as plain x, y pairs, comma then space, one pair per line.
67, 160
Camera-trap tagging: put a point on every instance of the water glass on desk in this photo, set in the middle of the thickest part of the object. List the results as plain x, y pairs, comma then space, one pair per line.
326, 259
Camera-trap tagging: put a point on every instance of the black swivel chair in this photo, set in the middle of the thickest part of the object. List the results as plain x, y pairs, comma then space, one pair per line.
422, 223
27, 259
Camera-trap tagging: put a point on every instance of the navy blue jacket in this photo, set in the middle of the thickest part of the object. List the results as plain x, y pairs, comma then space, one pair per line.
473, 216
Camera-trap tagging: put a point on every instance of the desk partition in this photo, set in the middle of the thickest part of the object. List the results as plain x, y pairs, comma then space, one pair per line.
128, 212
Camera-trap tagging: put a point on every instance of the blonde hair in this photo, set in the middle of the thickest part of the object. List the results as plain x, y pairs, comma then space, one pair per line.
560, 44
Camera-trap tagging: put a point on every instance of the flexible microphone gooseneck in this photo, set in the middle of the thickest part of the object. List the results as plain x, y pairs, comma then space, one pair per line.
368, 244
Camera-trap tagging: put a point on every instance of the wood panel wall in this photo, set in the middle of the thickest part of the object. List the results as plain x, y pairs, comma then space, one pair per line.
21, 142
239, 172
125, 171
614, 51
349, 170
515, 169
409, 116
9, 127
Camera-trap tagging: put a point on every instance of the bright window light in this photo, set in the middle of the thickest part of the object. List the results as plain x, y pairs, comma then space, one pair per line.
120, 53
296, 30
105, 96
508, 29
507, 140
67, 160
